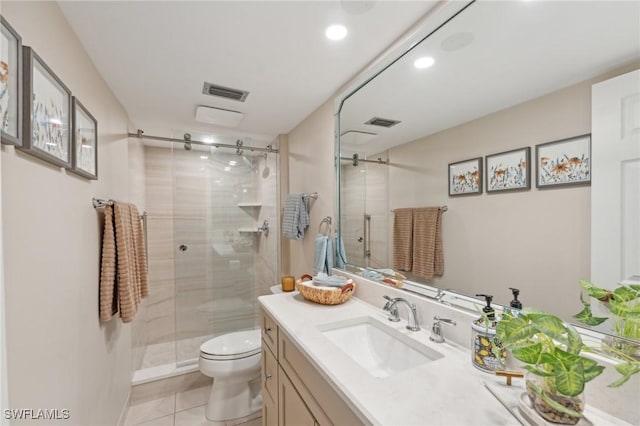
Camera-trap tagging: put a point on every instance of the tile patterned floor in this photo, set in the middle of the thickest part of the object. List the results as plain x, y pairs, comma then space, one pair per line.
185, 408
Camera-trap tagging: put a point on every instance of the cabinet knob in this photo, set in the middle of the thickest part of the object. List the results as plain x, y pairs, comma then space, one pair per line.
267, 377
267, 330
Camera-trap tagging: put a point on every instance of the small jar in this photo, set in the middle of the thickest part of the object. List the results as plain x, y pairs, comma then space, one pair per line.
288, 283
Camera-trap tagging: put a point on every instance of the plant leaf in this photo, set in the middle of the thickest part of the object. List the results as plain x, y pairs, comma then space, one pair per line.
511, 329
528, 354
550, 325
585, 317
574, 341
625, 294
569, 379
537, 371
593, 290
625, 309
592, 373
626, 370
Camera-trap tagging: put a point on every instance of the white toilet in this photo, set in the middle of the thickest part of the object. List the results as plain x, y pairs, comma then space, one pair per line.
233, 360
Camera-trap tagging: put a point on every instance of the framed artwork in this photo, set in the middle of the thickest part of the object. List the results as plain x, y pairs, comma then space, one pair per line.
47, 112
10, 84
465, 177
564, 162
84, 141
508, 171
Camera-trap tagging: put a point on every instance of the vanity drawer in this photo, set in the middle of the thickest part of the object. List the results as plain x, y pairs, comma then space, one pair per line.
270, 332
269, 387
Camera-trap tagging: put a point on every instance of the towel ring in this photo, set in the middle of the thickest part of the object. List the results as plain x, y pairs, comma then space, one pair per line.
328, 221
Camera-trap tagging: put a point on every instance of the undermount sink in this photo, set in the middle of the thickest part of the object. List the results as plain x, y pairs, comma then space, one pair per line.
381, 350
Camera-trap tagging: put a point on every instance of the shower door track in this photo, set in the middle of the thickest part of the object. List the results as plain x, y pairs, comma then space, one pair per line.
239, 145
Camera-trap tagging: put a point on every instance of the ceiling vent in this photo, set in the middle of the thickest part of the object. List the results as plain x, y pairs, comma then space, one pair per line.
382, 122
224, 92
218, 116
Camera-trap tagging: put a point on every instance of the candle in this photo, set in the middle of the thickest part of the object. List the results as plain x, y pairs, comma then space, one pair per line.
288, 283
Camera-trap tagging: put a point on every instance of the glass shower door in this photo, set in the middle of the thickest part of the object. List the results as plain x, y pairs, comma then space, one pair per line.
214, 236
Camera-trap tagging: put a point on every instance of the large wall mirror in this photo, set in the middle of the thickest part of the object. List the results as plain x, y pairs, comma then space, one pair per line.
501, 77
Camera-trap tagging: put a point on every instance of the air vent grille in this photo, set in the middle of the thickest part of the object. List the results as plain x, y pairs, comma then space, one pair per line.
224, 92
382, 122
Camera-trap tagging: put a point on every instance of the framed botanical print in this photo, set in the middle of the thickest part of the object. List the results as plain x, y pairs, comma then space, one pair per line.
508, 171
465, 177
10, 84
47, 112
84, 141
564, 162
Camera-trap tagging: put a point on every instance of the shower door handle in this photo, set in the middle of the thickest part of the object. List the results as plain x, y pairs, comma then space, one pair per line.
183, 247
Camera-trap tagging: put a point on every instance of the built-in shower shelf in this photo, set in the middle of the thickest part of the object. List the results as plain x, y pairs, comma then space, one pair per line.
249, 204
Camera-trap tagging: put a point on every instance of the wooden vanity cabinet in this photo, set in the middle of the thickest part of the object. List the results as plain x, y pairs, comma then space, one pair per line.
293, 391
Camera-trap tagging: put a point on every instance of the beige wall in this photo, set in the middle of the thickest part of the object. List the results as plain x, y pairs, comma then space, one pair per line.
59, 355
311, 169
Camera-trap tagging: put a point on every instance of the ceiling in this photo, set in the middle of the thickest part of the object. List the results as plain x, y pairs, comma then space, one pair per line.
156, 56
518, 50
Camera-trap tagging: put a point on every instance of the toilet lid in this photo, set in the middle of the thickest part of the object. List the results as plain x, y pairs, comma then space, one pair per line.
239, 344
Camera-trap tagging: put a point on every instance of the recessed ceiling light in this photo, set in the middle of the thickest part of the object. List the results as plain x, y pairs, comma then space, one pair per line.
336, 32
232, 163
424, 62
204, 157
226, 169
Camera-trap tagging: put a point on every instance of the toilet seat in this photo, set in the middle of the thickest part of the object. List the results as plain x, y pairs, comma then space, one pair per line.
237, 345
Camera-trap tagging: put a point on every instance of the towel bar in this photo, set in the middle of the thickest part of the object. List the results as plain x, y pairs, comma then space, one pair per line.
99, 203
442, 209
313, 195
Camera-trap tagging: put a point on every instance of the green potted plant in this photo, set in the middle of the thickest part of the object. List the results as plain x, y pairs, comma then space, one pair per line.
623, 304
550, 350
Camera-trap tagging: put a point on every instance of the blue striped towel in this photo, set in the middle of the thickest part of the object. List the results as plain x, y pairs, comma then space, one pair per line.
295, 218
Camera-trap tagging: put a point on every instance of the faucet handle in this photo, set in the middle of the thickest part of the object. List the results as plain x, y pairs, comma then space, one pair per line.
444, 320
437, 335
391, 306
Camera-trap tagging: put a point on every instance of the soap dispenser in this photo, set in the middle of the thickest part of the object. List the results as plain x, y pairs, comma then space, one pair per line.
488, 354
515, 306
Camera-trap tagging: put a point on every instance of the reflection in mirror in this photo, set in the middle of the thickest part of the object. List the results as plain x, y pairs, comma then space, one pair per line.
502, 76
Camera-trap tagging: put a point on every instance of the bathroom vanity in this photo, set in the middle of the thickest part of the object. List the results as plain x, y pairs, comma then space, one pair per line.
311, 375
317, 367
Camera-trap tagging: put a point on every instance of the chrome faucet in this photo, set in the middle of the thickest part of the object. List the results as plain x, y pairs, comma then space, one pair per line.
394, 316
437, 335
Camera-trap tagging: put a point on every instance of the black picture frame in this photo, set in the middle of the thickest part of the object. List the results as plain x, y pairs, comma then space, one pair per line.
465, 177
84, 141
564, 162
46, 120
508, 170
11, 86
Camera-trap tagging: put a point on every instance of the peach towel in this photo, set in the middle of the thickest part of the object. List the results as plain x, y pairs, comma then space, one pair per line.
402, 239
428, 261
124, 274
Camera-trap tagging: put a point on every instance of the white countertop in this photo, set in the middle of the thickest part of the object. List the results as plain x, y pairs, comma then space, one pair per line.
447, 391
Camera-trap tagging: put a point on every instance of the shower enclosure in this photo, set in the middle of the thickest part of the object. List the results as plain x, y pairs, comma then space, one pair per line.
364, 211
212, 238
